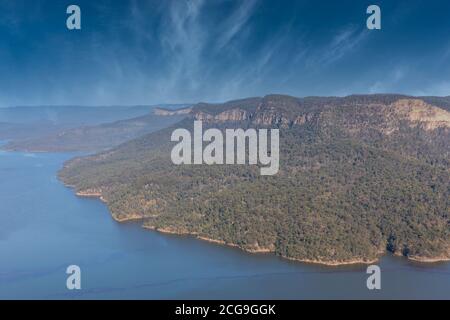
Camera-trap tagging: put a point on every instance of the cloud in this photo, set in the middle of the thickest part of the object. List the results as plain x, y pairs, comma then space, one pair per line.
236, 22
343, 43
195, 48
251, 75
145, 52
446, 54
183, 40
267, 70
390, 81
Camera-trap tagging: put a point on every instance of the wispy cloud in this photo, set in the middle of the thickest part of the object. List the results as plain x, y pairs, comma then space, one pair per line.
236, 22
183, 40
390, 80
343, 43
446, 53
142, 52
189, 43
252, 75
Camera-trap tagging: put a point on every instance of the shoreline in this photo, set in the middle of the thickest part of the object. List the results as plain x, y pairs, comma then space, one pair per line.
86, 194
429, 260
357, 261
128, 219
263, 250
98, 195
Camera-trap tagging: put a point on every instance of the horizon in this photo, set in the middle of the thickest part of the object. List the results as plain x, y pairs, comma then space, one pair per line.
188, 104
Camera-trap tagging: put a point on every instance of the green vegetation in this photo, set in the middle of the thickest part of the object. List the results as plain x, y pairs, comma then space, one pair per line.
357, 177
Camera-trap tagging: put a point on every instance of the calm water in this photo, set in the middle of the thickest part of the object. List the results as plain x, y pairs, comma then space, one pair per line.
44, 228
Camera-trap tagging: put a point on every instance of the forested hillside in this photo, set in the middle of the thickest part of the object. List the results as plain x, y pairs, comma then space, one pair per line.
359, 176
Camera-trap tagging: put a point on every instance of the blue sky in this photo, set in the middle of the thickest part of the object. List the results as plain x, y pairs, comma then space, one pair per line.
153, 51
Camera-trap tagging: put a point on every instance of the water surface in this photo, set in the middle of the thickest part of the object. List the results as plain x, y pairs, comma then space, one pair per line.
44, 228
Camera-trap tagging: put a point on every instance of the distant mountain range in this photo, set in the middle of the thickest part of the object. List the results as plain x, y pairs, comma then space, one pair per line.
359, 176
12, 131
71, 115
62, 129
92, 138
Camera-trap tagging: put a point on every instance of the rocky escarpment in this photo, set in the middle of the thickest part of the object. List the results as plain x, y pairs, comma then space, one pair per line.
418, 112
263, 114
167, 112
384, 117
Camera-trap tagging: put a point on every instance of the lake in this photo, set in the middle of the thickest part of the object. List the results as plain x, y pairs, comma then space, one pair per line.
44, 228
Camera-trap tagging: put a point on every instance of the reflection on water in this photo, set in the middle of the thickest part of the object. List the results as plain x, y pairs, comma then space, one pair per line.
44, 228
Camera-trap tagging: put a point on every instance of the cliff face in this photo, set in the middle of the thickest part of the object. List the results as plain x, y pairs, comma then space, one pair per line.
167, 112
229, 115
359, 176
386, 117
263, 112
418, 112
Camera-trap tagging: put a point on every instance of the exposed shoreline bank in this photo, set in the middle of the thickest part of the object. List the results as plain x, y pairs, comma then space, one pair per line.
357, 261
262, 250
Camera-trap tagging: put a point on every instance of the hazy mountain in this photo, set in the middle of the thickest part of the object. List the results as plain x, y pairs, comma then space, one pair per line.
9, 131
71, 115
62, 128
92, 138
359, 176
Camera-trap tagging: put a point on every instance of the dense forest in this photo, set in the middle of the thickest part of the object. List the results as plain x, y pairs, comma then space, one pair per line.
359, 176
